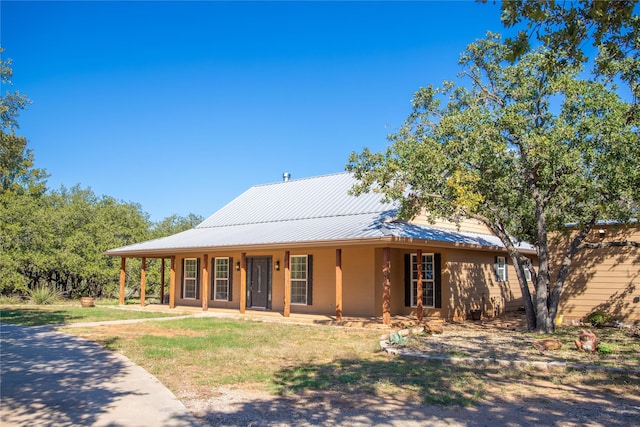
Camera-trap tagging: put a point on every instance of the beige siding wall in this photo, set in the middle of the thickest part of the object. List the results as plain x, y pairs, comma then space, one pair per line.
473, 285
603, 279
468, 225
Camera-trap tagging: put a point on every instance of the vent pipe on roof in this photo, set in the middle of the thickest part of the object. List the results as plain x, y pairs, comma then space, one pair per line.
286, 176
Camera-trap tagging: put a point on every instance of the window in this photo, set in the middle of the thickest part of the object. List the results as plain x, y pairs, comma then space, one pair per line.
501, 269
190, 282
428, 280
527, 273
221, 279
299, 279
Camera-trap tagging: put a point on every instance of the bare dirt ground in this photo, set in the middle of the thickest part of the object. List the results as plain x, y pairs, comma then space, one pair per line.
593, 399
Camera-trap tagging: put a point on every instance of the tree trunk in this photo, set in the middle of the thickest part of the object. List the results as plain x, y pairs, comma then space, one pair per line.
527, 300
543, 322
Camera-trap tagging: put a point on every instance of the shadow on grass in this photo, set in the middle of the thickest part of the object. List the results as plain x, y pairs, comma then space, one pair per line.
36, 316
408, 392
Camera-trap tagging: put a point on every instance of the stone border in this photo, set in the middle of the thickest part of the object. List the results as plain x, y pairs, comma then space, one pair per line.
387, 347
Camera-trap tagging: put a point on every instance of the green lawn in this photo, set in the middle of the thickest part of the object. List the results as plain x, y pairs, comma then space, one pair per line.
30, 315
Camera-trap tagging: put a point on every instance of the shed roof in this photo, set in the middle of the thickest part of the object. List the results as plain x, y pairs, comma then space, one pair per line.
317, 210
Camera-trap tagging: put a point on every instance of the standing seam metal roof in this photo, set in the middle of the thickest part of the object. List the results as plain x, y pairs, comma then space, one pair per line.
318, 197
318, 209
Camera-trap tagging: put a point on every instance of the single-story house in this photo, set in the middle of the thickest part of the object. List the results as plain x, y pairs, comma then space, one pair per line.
309, 246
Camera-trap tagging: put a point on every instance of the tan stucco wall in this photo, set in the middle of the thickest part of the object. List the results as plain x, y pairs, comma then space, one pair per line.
603, 279
468, 282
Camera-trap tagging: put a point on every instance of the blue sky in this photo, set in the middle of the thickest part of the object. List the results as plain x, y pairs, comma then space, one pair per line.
182, 106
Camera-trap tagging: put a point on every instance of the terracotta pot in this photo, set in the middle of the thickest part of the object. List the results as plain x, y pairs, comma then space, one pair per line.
87, 302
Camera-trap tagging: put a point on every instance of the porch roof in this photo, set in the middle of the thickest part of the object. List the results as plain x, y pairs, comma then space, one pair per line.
316, 210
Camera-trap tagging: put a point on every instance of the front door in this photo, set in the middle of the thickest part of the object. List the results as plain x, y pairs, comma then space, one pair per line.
259, 282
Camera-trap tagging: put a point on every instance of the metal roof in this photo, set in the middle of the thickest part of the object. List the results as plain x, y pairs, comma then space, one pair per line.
317, 197
302, 211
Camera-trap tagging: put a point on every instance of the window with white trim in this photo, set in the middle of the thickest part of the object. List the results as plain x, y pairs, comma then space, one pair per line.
527, 272
221, 279
190, 274
428, 280
299, 279
501, 269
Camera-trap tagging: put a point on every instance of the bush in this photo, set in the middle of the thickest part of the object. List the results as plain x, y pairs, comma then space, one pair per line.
604, 349
599, 319
397, 339
43, 295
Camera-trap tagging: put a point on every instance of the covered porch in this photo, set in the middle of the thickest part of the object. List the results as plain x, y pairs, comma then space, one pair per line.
385, 285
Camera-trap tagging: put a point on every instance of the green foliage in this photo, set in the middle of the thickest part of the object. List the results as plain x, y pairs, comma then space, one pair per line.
44, 295
604, 349
611, 27
599, 319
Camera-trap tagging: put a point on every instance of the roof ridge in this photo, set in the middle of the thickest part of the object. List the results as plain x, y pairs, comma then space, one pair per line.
301, 179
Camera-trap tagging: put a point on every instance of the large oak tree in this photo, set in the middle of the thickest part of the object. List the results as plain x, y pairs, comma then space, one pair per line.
524, 145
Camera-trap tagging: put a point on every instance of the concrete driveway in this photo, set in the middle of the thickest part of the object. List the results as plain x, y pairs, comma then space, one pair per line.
54, 379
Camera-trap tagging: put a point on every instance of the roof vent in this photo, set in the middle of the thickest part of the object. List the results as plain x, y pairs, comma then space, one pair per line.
286, 176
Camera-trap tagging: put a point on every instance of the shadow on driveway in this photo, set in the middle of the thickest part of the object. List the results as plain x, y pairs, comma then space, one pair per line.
54, 379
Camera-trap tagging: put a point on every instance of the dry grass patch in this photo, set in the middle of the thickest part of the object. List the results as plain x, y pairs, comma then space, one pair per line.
197, 357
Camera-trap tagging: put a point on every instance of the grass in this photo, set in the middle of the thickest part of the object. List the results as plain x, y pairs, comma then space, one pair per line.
29, 315
194, 357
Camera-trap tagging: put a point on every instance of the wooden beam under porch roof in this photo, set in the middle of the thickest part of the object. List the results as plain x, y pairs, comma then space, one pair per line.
204, 286
338, 285
243, 282
287, 284
386, 286
123, 277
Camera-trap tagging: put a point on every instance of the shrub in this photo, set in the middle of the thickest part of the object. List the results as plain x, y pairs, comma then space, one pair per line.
43, 295
397, 339
604, 349
599, 318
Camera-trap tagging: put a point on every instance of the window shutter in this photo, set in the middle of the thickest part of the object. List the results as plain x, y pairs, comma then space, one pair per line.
198, 278
495, 269
407, 280
229, 295
212, 279
437, 267
182, 280
309, 279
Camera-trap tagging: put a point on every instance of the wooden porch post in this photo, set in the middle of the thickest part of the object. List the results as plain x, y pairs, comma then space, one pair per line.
419, 290
338, 285
243, 282
172, 283
386, 286
287, 284
161, 280
204, 286
123, 277
143, 280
